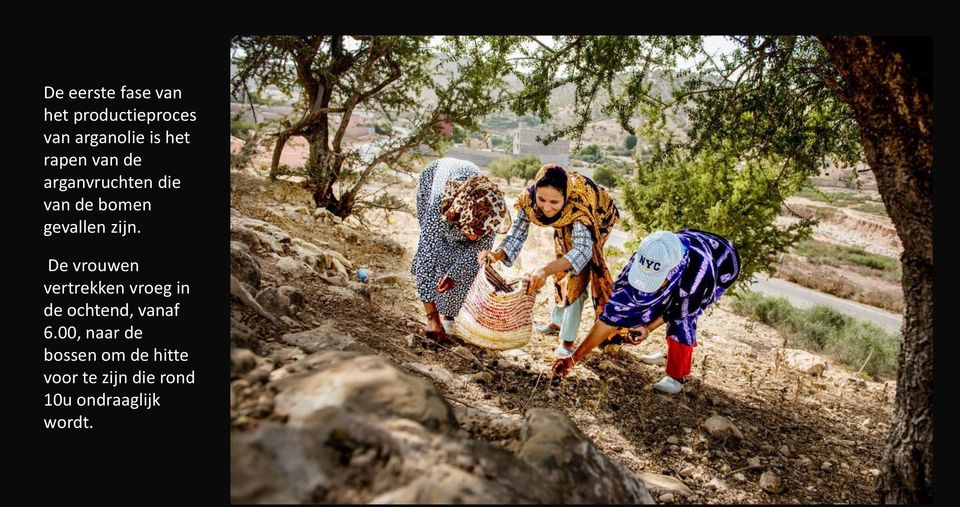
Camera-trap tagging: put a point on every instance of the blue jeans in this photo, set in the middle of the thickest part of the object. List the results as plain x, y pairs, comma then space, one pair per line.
568, 318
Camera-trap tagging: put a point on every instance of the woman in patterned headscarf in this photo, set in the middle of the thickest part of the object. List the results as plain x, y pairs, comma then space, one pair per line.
582, 216
459, 212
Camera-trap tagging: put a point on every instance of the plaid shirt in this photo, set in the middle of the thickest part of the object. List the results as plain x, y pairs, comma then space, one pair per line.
579, 256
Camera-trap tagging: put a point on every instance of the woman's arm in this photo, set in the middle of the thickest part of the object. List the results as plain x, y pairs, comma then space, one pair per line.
598, 333
510, 247
575, 260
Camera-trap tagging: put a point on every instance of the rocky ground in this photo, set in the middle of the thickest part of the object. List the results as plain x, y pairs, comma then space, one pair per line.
337, 397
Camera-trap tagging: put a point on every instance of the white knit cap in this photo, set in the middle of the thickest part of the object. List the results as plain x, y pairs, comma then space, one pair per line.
657, 254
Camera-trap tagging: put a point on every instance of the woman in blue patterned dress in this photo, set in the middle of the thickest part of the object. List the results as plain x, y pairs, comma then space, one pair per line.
671, 279
460, 211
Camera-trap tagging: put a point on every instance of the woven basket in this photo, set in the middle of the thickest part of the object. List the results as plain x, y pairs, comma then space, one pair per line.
494, 316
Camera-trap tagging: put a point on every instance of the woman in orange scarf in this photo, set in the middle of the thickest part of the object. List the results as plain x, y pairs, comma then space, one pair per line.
582, 216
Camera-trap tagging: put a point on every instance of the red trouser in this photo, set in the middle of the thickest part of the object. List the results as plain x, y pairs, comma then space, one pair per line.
679, 357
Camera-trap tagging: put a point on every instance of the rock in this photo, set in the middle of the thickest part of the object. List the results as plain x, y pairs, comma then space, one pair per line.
488, 425
770, 482
482, 377
805, 461
325, 215
686, 450
717, 484
874, 472
464, 353
344, 294
666, 498
551, 395
388, 279
241, 361
241, 335
365, 384
352, 221
260, 373
348, 235
325, 337
243, 296
479, 473
740, 477
360, 289
294, 267
291, 323
551, 442
826, 465
294, 295
278, 301
721, 427
769, 449
754, 462
411, 340
672, 440
434, 372
281, 354
258, 235
243, 266
664, 484
388, 245
804, 361
336, 280
785, 450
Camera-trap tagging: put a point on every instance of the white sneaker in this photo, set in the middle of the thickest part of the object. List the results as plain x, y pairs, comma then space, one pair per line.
656, 359
562, 352
448, 325
668, 385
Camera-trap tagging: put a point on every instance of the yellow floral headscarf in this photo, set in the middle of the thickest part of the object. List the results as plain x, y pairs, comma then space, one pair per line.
587, 203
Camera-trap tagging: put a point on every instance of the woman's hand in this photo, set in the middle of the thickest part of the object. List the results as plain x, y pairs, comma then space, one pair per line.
536, 280
490, 256
637, 334
562, 366
446, 283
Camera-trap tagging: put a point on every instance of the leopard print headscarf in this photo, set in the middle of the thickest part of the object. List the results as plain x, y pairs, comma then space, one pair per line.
474, 206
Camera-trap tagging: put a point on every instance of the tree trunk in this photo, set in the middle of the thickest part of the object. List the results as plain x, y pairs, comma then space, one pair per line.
888, 84
320, 178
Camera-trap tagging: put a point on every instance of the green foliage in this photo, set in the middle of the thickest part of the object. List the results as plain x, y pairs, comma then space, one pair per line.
618, 151
241, 128
245, 154
503, 168
859, 202
383, 127
590, 153
822, 329
630, 142
385, 75
818, 252
526, 168
508, 168
501, 143
605, 176
759, 121
500, 122
711, 192
459, 134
